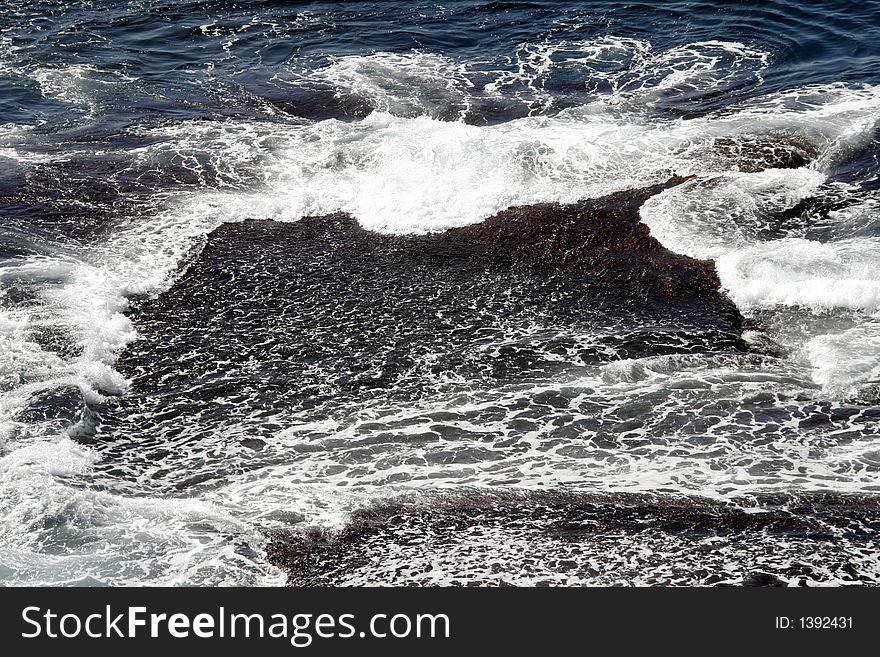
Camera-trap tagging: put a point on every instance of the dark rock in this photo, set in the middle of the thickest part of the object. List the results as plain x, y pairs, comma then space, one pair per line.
488, 537
323, 292
763, 579
753, 153
312, 317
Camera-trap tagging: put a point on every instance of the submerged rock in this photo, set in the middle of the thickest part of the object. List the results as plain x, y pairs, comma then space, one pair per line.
364, 309
753, 153
481, 537
311, 322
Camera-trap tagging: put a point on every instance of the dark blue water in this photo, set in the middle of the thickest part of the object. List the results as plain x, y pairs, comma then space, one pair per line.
197, 59
130, 131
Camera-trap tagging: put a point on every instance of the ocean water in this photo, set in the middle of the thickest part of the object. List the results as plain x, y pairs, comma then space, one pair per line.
161, 421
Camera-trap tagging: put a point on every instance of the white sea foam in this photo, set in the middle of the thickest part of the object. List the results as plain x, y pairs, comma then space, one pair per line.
702, 66
810, 274
402, 175
727, 217
847, 363
57, 533
708, 217
405, 175
404, 84
621, 69
79, 84
821, 277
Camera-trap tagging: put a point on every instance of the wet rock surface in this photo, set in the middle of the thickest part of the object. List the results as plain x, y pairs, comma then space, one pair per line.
497, 538
753, 153
366, 310
314, 315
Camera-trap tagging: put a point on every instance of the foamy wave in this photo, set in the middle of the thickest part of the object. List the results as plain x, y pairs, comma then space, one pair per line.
697, 68
419, 175
55, 533
713, 215
81, 85
404, 175
707, 217
810, 274
13, 145
417, 84
848, 363
538, 74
